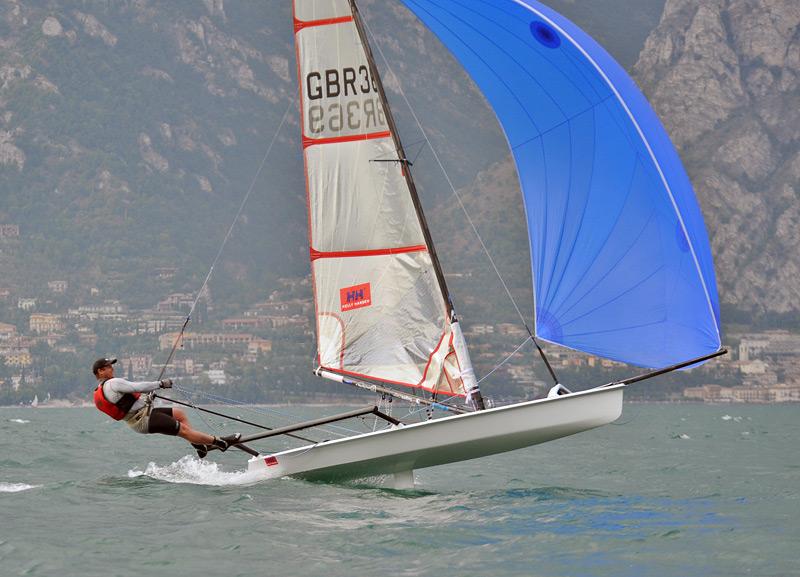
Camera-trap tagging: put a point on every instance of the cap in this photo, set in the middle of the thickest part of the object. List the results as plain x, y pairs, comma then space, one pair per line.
100, 363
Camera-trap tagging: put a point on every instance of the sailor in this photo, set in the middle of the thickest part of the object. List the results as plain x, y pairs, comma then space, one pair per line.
123, 400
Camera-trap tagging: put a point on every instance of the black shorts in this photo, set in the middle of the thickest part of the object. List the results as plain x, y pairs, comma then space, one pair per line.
162, 421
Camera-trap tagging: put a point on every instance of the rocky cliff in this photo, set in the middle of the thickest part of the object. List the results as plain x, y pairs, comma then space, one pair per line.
724, 75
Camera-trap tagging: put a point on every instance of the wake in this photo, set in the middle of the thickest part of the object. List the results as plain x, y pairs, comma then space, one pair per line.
193, 471
16, 487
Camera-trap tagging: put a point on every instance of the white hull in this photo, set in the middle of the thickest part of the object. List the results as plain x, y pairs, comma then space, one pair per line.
400, 450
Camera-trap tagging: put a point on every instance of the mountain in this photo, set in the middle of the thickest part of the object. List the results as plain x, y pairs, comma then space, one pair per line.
724, 76
132, 131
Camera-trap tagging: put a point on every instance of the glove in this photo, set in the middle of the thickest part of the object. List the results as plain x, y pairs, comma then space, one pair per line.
166, 384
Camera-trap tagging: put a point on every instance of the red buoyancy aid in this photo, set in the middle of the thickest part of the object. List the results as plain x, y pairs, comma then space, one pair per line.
118, 410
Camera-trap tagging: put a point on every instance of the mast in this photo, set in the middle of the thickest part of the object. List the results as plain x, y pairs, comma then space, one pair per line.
474, 394
373, 69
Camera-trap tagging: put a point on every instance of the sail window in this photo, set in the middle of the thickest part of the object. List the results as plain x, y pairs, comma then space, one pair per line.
545, 34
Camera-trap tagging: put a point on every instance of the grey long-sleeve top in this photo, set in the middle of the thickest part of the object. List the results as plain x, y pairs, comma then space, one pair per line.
113, 389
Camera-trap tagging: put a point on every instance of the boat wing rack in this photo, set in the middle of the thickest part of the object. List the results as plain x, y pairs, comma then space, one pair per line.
372, 410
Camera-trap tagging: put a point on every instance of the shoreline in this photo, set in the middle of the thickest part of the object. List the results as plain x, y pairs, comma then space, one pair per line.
65, 404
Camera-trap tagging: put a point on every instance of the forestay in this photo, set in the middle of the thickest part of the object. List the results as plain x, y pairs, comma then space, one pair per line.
620, 258
381, 313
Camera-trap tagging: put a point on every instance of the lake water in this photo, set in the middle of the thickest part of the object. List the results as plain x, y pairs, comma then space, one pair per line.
668, 490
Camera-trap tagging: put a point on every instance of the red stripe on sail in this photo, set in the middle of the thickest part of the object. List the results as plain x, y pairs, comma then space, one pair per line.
351, 138
300, 24
316, 254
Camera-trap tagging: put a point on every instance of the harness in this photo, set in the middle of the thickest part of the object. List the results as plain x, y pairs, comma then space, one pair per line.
118, 410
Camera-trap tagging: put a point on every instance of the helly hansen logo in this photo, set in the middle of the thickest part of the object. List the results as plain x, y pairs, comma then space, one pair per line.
355, 297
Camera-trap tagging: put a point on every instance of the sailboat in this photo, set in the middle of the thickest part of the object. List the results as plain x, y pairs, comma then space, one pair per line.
621, 262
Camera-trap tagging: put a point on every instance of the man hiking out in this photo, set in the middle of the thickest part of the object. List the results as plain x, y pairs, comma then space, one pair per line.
123, 400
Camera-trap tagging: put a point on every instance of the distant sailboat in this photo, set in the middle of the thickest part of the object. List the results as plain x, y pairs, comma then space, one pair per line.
621, 262
35, 401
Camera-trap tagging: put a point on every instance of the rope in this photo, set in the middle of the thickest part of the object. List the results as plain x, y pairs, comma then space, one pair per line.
505, 360
262, 411
219, 253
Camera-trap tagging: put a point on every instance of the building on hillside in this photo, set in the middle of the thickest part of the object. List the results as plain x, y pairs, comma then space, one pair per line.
238, 323
176, 302
136, 365
217, 376
111, 310
778, 393
45, 323
26, 303
480, 329
283, 322
784, 393
256, 347
521, 374
7, 332
87, 337
511, 330
210, 340
58, 286
186, 366
156, 321
52, 339
708, 393
281, 308
769, 345
166, 272
755, 367
16, 356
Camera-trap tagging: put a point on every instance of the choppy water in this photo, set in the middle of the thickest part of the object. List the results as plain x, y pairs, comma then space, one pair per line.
667, 491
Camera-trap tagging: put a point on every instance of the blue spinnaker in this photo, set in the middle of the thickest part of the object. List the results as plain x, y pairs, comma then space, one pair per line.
621, 261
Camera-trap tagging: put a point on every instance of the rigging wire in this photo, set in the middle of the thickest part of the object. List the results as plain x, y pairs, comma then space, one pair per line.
227, 237
263, 411
505, 360
222, 247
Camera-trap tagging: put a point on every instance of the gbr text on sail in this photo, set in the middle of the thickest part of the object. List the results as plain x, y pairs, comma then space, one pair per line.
343, 100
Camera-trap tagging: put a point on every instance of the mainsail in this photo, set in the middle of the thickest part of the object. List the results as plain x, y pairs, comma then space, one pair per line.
381, 305
621, 262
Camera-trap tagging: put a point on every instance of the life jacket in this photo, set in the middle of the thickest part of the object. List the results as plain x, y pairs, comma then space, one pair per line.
118, 410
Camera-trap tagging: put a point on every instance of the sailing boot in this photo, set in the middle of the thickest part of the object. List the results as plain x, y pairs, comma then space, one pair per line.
202, 450
222, 443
